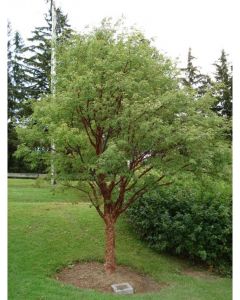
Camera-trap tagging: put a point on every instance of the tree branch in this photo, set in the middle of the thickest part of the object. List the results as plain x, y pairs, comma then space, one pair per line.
120, 200
97, 207
84, 121
140, 192
77, 149
145, 172
75, 187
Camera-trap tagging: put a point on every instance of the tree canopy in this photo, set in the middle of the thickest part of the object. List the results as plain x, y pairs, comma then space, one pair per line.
120, 123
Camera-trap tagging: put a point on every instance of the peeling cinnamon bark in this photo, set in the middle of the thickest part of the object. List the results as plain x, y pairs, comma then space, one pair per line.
110, 259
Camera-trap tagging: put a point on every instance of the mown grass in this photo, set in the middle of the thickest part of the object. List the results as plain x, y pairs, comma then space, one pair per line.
30, 190
49, 231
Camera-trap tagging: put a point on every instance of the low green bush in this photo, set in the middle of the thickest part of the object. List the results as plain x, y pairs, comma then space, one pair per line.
187, 223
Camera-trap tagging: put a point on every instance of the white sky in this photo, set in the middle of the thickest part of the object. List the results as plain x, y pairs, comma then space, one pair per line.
176, 25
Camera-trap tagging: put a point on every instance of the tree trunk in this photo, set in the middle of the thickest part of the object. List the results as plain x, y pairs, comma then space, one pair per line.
110, 261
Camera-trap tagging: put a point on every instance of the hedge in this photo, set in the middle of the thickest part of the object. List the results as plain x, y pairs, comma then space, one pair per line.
186, 223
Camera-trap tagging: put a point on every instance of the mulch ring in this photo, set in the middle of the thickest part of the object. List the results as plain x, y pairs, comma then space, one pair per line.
91, 275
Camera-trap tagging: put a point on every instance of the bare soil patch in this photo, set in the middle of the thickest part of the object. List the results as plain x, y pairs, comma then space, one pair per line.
91, 275
199, 273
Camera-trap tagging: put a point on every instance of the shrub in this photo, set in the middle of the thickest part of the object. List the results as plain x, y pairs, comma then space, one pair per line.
187, 223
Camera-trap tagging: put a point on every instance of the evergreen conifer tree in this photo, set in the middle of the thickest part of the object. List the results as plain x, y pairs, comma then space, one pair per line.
39, 53
223, 86
29, 69
17, 78
192, 74
193, 78
17, 93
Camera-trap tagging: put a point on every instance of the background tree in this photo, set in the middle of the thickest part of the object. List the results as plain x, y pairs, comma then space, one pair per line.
29, 78
120, 123
193, 78
38, 58
17, 90
192, 74
17, 93
11, 102
223, 86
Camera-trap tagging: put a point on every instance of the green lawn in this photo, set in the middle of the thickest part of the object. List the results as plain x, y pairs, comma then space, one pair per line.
48, 231
30, 190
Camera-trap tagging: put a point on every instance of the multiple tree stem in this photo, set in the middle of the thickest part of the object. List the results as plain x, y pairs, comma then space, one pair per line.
112, 208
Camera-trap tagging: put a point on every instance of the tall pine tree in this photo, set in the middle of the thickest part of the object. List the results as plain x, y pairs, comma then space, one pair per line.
17, 93
17, 77
191, 72
223, 86
192, 77
39, 53
29, 69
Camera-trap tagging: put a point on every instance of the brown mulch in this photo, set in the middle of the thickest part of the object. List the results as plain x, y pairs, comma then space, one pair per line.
91, 275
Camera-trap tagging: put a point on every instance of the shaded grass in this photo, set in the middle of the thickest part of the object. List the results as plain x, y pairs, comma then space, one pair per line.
46, 236
30, 190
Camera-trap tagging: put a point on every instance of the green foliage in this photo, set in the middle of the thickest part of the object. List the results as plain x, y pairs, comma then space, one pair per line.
120, 122
119, 116
194, 79
15, 164
193, 221
38, 53
192, 74
17, 78
29, 78
223, 86
17, 93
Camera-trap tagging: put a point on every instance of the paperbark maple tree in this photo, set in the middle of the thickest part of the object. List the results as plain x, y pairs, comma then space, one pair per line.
120, 123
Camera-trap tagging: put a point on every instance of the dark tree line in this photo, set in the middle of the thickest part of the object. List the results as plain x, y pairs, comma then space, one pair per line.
29, 68
220, 86
223, 90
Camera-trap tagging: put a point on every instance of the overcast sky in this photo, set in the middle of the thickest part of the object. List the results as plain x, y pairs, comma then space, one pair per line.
176, 25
